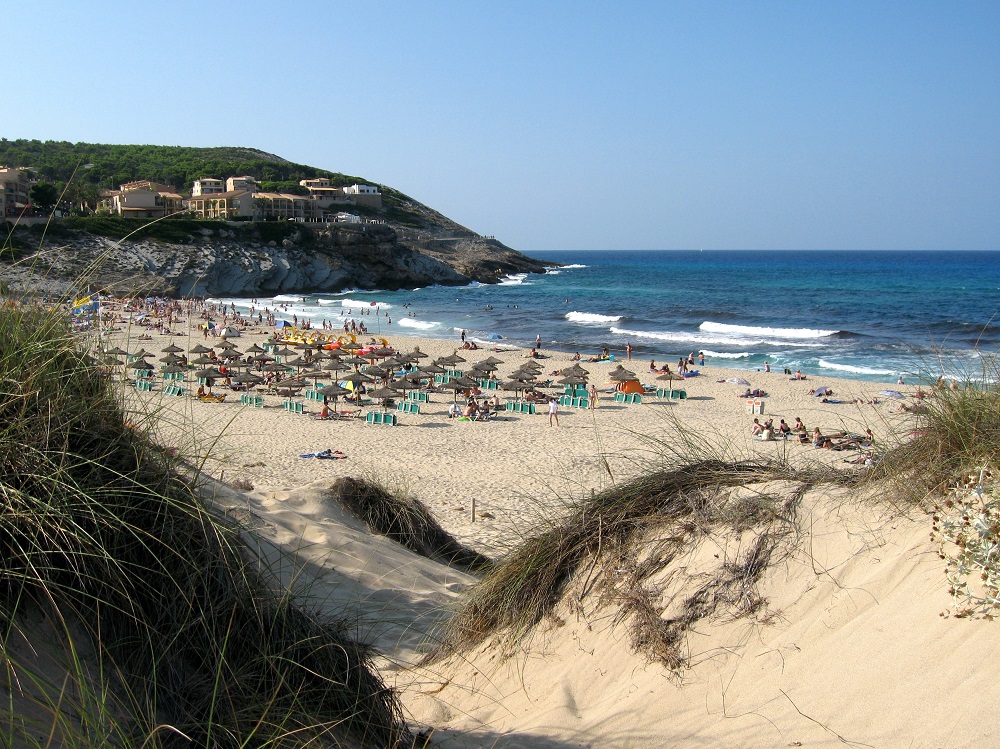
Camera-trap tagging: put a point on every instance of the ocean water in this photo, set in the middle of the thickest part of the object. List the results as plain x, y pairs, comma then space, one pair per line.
866, 315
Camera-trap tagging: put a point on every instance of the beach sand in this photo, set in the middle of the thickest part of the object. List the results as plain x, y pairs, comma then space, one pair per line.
516, 468
855, 651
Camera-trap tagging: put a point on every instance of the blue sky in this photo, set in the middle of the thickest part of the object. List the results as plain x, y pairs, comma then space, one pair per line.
562, 125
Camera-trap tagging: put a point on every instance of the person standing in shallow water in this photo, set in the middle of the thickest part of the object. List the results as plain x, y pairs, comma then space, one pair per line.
628, 350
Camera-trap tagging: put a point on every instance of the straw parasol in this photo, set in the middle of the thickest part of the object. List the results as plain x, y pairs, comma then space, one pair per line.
248, 379
417, 353
171, 349
199, 349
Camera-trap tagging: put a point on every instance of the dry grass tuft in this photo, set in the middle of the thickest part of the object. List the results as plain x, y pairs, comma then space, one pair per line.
604, 544
407, 521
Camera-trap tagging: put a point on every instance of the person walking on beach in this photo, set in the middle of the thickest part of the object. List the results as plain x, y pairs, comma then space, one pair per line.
463, 336
628, 350
592, 396
553, 411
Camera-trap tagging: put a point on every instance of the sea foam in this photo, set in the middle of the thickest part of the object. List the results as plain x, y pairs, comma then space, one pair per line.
591, 317
854, 369
409, 322
724, 355
359, 303
718, 327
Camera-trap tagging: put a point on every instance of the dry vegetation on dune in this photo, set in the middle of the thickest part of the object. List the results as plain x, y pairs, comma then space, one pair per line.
618, 545
621, 546
169, 637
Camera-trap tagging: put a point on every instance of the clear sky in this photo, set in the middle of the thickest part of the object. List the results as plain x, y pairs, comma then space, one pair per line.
561, 125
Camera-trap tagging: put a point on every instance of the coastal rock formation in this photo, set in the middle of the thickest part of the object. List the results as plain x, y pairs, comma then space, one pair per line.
233, 259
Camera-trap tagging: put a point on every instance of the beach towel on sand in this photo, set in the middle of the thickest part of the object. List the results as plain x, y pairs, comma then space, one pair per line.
325, 454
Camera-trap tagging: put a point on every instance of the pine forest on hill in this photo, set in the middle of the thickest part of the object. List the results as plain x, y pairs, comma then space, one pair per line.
107, 166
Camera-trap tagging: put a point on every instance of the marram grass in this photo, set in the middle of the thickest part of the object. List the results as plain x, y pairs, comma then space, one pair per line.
168, 635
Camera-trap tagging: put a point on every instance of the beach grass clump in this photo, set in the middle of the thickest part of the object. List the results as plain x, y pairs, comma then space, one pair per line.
405, 520
614, 542
955, 434
171, 636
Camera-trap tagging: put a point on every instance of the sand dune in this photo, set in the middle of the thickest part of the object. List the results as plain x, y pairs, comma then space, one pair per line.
847, 645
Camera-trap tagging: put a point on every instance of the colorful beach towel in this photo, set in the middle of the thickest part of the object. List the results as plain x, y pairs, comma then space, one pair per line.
325, 455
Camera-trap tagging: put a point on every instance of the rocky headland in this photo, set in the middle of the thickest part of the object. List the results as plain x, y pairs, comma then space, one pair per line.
201, 258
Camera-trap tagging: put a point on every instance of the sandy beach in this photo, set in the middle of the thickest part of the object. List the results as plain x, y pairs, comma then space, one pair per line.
855, 600
516, 468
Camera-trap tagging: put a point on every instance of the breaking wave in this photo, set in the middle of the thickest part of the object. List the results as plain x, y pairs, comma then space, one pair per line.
591, 317
751, 330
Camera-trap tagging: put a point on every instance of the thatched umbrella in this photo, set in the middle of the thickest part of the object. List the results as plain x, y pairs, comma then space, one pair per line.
383, 394
248, 379
170, 359
357, 377
333, 391
432, 369
171, 349
199, 349
575, 370
621, 374
203, 361
573, 380
209, 375
417, 353
116, 351
454, 385
255, 349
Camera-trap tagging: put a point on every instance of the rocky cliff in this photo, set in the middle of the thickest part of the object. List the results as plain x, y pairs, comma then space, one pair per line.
220, 259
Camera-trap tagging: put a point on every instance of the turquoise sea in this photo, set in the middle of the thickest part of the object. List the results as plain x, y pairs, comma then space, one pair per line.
865, 315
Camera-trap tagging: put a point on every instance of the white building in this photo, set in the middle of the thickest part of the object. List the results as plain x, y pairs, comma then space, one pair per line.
207, 186
241, 184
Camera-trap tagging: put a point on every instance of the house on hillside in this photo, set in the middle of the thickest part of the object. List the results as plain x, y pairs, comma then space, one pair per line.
14, 188
233, 205
367, 195
241, 184
275, 206
207, 186
142, 199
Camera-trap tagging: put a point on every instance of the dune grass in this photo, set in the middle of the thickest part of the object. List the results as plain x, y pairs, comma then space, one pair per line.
170, 637
601, 539
407, 521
